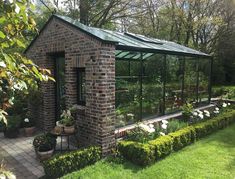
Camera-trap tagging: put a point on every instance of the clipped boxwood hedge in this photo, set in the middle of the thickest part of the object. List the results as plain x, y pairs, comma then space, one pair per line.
142, 154
162, 146
60, 165
183, 137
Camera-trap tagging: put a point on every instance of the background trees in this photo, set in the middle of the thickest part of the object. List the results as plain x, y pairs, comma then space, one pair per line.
206, 25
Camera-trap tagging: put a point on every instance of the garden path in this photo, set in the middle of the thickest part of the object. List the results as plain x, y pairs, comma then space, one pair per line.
19, 157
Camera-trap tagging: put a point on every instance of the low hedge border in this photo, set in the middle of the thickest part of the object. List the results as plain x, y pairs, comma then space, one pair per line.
142, 154
60, 165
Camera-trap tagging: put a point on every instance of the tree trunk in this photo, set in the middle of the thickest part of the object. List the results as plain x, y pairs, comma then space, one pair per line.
84, 11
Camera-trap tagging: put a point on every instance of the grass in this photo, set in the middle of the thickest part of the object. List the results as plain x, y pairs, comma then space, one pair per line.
212, 157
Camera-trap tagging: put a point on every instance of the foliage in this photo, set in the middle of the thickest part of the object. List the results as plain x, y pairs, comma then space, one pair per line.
187, 110
44, 139
163, 146
132, 150
13, 122
183, 137
142, 133
4, 173
62, 164
17, 73
175, 125
28, 122
67, 118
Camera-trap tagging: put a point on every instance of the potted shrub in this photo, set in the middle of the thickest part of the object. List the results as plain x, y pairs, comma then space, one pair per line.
44, 145
11, 129
29, 127
45, 151
67, 121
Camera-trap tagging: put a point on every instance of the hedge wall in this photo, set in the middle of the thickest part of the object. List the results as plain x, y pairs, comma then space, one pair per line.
142, 154
60, 165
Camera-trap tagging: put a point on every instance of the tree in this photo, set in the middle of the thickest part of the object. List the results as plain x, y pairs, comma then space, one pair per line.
17, 73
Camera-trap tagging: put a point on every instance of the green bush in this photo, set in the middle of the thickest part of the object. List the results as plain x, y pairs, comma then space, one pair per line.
145, 154
60, 165
138, 153
183, 137
162, 146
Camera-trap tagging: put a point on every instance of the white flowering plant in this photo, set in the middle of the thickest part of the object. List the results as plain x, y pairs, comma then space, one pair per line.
199, 115
28, 121
142, 133
67, 118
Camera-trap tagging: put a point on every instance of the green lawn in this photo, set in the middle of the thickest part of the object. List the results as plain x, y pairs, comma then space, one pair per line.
212, 157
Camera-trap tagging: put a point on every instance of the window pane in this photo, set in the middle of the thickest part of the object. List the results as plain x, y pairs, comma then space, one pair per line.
127, 93
152, 86
81, 86
204, 73
190, 80
174, 75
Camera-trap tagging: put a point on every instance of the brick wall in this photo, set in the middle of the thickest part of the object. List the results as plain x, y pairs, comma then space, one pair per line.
96, 120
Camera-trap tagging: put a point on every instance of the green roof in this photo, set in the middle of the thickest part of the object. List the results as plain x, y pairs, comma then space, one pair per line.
127, 43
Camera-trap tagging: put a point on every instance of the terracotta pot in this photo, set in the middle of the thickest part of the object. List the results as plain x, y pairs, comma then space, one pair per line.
44, 155
69, 129
29, 131
58, 130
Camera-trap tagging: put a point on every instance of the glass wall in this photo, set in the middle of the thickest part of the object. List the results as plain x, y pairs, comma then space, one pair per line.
152, 86
157, 85
173, 89
127, 92
204, 74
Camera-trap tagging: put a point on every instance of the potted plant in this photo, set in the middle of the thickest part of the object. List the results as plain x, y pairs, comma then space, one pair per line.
11, 128
67, 121
44, 145
29, 127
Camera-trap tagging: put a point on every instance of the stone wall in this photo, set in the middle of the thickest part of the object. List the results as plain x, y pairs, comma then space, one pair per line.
96, 119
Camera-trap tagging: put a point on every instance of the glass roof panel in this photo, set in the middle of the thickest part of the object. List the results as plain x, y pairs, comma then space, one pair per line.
131, 42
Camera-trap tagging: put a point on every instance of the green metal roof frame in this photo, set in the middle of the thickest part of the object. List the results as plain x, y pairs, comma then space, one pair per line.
127, 44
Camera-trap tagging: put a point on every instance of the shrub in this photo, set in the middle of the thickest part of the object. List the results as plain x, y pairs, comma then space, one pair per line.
162, 146
144, 154
138, 153
187, 110
60, 165
183, 137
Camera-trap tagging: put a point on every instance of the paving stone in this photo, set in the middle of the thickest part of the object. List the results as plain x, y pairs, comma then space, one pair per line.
19, 157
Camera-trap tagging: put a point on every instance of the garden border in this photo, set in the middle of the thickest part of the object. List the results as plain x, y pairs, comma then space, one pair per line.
148, 153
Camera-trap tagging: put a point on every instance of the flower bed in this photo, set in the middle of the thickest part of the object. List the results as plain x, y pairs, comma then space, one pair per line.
142, 153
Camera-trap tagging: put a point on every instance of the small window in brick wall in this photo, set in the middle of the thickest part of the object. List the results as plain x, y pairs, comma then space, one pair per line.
81, 86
